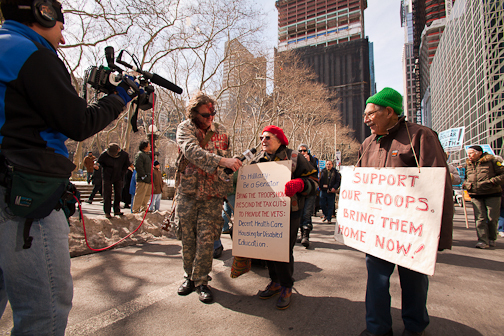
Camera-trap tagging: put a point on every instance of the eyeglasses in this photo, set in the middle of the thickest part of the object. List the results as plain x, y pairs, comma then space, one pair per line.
370, 114
207, 115
267, 137
303, 150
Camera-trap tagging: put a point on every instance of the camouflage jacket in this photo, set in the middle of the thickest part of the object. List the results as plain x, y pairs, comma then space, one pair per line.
198, 171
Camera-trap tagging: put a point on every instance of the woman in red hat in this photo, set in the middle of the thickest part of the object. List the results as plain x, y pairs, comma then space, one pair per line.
303, 182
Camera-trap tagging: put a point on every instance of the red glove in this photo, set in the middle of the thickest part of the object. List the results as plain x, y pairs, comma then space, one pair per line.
294, 186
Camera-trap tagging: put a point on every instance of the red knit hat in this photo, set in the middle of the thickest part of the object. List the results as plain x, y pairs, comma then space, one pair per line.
278, 133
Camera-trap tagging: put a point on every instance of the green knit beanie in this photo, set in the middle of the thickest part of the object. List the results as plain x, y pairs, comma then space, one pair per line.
387, 97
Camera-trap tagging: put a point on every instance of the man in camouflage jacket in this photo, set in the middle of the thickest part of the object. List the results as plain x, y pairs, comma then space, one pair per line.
202, 184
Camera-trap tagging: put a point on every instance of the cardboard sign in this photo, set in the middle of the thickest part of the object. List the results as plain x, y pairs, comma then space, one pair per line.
262, 212
393, 214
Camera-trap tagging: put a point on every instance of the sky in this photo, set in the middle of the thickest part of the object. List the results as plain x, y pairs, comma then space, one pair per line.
382, 24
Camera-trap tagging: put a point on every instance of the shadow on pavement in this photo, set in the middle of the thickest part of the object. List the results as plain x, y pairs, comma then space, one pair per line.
326, 316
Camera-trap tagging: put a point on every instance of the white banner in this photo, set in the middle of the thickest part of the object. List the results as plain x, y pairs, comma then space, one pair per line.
262, 212
393, 214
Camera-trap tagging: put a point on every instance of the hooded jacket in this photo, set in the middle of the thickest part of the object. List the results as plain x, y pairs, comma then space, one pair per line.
39, 107
484, 177
394, 150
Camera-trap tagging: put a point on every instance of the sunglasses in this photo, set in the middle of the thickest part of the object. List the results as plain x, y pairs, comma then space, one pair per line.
267, 137
303, 150
207, 115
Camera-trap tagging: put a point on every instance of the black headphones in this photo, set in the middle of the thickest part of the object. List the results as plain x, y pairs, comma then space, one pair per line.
44, 13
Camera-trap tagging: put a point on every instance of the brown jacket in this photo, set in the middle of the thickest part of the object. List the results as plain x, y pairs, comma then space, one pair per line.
158, 181
89, 163
394, 150
484, 177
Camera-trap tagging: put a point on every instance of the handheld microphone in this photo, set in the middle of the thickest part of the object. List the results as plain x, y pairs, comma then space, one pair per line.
248, 154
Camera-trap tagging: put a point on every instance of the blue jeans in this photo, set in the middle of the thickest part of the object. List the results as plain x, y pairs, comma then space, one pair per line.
501, 221
156, 202
37, 281
308, 211
327, 203
414, 287
228, 210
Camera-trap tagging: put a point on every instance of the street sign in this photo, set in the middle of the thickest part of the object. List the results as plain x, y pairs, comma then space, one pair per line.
321, 164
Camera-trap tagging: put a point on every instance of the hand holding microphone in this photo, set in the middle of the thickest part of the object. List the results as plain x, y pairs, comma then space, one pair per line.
248, 154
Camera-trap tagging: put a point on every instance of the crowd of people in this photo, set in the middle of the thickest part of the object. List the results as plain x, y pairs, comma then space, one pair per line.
36, 278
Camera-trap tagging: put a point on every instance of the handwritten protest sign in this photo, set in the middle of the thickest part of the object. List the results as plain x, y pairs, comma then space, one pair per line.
393, 214
262, 212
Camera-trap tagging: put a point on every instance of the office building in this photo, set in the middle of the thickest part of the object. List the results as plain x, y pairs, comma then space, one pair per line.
329, 36
467, 74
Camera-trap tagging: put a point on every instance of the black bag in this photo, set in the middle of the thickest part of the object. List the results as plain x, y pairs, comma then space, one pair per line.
33, 196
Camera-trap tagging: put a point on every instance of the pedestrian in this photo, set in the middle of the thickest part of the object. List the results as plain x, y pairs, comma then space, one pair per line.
114, 163
330, 180
157, 180
303, 183
143, 190
202, 184
96, 179
227, 212
39, 111
88, 163
306, 225
395, 142
484, 176
125, 195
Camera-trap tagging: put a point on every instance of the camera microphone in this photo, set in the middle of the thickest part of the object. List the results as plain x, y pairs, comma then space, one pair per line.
154, 78
248, 154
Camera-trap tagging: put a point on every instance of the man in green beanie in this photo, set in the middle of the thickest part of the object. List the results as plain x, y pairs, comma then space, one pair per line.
395, 142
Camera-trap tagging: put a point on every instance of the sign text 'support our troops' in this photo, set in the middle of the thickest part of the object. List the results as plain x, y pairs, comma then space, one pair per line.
378, 200
252, 204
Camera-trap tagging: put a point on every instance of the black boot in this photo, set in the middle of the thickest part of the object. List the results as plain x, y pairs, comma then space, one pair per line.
300, 235
305, 240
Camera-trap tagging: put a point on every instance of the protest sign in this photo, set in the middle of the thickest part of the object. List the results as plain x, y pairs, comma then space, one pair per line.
262, 212
393, 214
452, 139
486, 148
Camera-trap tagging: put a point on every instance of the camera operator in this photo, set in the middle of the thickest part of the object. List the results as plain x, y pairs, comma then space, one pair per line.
39, 110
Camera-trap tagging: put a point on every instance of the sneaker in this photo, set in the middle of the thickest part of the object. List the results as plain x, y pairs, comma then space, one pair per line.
271, 290
491, 243
285, 298
481, 245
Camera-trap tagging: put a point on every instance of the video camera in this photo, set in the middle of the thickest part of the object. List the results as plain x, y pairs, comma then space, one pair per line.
105, 79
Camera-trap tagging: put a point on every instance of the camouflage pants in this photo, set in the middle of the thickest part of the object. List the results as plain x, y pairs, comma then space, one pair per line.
200, 224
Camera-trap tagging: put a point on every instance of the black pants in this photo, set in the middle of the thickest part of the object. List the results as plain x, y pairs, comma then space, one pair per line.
107, 196
281, 272
97, 188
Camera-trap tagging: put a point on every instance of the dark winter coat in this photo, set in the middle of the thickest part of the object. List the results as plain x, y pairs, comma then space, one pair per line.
143, 164
395, 150
484, 177
114, 169
329, 179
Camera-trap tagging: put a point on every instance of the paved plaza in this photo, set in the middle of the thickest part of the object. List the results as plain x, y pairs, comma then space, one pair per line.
133, 291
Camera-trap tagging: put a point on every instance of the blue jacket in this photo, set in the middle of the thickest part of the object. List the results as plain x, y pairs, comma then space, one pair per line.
39, 107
